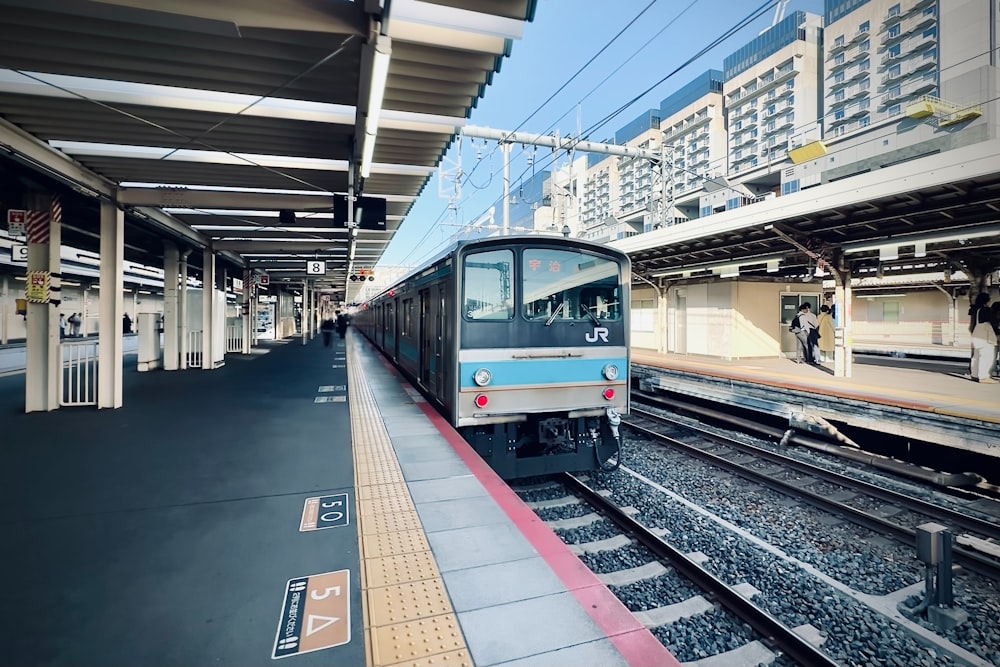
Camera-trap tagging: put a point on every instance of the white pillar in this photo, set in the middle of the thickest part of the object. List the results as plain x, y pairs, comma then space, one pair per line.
207, 308
182, 307
843, 352
304, 318
109, 365
247, 319
4, 311
42, 349
171, 330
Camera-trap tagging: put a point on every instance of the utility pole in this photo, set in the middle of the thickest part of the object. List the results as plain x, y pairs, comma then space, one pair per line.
505, 147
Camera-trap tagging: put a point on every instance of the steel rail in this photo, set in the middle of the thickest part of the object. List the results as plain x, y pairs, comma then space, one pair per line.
779, 635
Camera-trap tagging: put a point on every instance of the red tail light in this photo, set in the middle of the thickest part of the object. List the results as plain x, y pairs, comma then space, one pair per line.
609, 394
482, 401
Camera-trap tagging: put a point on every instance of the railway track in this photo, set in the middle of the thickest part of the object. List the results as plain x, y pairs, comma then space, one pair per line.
877, 508
778, 637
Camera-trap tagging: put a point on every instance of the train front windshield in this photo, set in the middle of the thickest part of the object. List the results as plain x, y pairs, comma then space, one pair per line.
569, 285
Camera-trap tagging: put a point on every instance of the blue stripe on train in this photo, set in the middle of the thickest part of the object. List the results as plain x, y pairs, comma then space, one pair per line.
542, 371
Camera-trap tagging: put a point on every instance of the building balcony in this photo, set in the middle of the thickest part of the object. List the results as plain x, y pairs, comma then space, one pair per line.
837, 47
860, 35
834, 67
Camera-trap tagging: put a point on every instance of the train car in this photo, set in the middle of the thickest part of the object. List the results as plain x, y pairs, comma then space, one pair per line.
522, 343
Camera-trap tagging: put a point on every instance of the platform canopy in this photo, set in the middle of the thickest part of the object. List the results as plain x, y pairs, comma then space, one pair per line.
235, 124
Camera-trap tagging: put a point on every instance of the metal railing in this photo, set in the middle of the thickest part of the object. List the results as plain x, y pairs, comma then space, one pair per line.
78, 379
234, 338
194, 350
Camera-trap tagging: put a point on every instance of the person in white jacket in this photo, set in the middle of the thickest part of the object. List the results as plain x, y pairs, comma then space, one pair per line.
985, 330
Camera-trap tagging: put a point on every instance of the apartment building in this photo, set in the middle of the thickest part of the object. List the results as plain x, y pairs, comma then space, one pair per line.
772, 93
902, 79
694, 135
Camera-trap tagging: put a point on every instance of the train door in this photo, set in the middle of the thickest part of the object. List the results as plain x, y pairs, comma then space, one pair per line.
427, 334
439, 318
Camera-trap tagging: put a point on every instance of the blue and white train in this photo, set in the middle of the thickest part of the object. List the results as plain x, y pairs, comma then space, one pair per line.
522, 343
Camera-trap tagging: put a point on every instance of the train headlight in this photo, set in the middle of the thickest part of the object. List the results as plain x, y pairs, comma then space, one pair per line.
483, 377
482, 400
611, 372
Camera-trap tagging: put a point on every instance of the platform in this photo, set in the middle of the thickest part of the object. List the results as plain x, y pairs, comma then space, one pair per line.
918, 399
203, 524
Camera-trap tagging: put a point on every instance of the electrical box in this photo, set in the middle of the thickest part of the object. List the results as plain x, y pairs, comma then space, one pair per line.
930, 542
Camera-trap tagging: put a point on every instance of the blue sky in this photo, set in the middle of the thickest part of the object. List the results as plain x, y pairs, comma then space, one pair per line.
563, 37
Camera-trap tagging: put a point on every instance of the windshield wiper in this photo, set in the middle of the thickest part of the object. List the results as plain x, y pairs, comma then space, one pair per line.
555, 313
586, 310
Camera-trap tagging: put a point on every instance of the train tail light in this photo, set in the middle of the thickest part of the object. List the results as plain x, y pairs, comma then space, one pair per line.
482, 400
608, 394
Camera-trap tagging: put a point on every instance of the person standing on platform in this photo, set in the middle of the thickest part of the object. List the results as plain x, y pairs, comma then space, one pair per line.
74, 325
126, 324
63, 325
826, 333
996, 320
985, 331
327, 329
804, 332
342, 322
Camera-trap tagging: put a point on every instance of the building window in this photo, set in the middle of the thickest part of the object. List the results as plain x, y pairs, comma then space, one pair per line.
839, 95
894, 30
838, 59
838, 77
864, 104
865, 121
790, 187
894, 71
894, 10
865, 45
865, 27
894, 110
706, 211
864, 64
732, 203
839, 41
930, 32
838, 114
895, 50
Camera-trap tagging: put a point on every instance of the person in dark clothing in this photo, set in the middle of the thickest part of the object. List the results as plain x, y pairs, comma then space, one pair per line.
327, 329
342, 321
126, 324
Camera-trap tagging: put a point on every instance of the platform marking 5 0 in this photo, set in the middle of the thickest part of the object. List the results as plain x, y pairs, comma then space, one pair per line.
332, 387
325, 512
316, 614
330, 399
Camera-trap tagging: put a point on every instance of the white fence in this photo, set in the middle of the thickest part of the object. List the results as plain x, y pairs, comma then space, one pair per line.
194, 351
234, 337
78, 379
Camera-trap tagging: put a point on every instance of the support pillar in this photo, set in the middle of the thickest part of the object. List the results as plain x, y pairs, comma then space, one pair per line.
171, 328
4, 310
110, 341
208, 278
843, 337
304, 319
42, 349
246, 311
182, 307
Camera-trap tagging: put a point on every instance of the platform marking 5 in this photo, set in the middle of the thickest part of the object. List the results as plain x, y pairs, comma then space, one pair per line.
330, 399
325, 512
316, 614
332, 387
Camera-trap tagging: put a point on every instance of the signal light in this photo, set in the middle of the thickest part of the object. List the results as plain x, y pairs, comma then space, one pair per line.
608, 394
482, 401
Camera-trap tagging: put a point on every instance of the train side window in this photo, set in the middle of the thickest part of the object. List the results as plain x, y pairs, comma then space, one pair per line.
488, 287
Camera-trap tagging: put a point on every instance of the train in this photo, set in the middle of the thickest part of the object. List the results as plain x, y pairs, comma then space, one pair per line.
521, 342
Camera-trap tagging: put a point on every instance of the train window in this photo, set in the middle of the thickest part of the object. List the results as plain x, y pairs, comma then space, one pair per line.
569, 285
488, 292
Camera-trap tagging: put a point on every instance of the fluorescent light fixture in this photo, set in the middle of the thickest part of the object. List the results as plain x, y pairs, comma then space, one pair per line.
888, 252
772, 266
376, 95
728, 266
189, 155
920, 249
935, 237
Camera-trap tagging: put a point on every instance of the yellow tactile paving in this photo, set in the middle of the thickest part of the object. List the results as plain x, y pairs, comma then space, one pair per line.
408, 617
416, 642
391, 570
